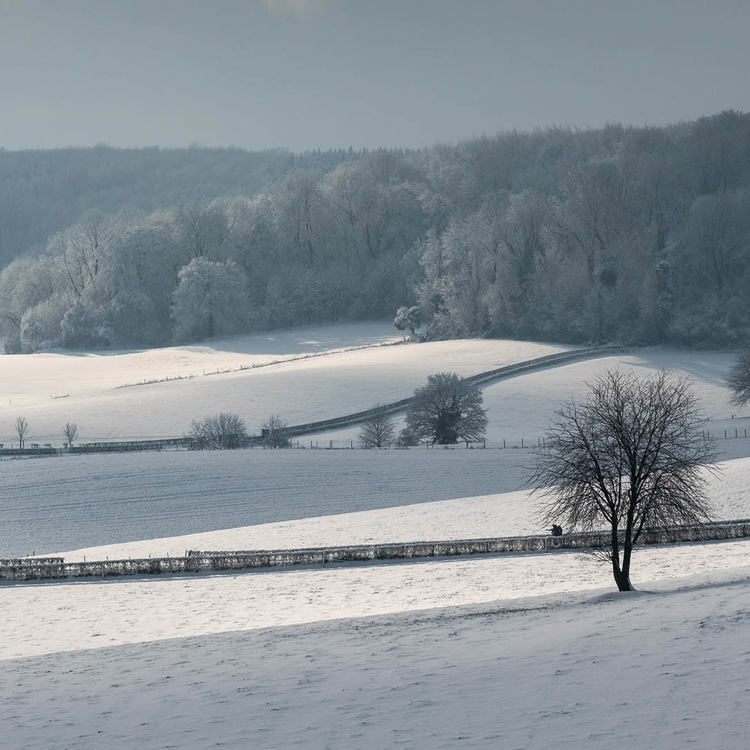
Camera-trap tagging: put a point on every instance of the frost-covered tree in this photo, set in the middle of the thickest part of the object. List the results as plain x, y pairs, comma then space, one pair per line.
408, 318
738, 378
81, 250
273, 432
378, 430
219, 432
210, 300
447, 410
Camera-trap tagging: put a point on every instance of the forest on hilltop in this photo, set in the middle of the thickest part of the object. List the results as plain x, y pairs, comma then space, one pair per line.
618, 234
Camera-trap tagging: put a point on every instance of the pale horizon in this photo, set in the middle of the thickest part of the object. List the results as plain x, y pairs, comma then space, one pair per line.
304, 75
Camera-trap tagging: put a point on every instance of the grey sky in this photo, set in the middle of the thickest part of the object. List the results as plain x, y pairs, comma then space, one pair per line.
336, 73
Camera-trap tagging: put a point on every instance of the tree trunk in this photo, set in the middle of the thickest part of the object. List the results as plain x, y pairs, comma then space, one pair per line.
624, 584
621, 573
622, 579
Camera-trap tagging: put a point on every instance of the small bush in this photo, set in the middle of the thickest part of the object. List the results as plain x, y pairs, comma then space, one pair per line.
273, 433
219, 432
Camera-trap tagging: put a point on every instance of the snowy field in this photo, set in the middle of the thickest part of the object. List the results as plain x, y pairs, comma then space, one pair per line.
664, 668
320, 373
524, 651
86, 501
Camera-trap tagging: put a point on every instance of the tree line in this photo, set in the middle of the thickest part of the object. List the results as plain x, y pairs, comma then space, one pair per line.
638, 235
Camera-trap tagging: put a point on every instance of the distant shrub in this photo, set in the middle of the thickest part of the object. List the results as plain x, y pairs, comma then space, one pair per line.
219, 432
273, 432
406, 438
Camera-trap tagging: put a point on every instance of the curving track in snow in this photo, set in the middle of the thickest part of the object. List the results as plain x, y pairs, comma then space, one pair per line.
482, 378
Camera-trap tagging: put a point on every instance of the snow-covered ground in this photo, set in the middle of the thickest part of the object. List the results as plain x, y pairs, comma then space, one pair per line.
521, 407
501, 514
520, 651
662, 668
352, 369
85, 501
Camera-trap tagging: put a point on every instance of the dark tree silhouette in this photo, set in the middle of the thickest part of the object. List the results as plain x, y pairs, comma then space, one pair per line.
629, 457
22, 430
70, 433
447, 410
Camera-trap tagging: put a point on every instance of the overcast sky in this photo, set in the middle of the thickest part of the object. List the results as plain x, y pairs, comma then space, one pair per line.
306, 74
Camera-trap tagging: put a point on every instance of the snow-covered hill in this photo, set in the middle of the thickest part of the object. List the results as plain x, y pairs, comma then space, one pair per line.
302, 375
513, 651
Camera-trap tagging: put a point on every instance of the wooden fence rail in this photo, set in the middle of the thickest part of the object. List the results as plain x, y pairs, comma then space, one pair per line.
201, 561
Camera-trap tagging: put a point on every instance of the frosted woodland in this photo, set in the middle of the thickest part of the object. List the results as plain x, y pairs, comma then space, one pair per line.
637, 235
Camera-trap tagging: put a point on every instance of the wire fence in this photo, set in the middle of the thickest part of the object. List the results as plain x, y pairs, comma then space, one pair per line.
131, 446
501, 444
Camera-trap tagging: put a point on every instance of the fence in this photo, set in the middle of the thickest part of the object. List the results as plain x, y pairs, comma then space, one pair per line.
199, 561
125, 446
114, 446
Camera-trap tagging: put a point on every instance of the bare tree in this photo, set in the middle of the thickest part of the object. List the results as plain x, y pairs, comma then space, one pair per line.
447, 410
70, 433
221, 431
378, 430
273, 432
629, 457
738, 378
22, 429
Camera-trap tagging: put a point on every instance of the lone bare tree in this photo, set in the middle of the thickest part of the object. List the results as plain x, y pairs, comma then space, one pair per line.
631, 457
378, 430
273, 432
70, 433
22, 430
221, 431
738, 378
447, 410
